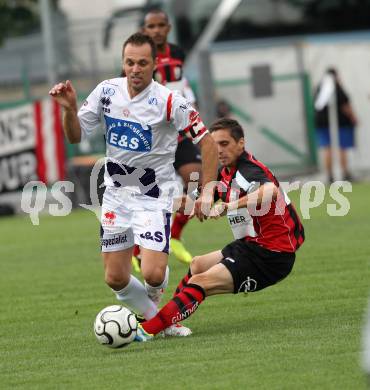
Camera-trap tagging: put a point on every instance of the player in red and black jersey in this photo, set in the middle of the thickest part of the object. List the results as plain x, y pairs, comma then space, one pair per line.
169, 72
170, 57
266, 228
275, 225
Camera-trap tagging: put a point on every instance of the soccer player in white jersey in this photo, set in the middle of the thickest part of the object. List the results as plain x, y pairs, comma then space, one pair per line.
142, 119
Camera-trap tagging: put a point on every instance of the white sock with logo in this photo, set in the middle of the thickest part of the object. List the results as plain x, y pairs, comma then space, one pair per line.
155, 292
135, 297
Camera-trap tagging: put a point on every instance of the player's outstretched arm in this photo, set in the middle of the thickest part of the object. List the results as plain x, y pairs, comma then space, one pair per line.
261, 197
65, 95
204, 203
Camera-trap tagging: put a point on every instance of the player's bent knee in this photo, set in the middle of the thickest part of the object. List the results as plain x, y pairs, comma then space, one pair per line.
155, 277
197, 265
116, 281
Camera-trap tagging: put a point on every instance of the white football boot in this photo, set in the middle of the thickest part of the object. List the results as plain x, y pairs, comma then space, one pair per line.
177, 330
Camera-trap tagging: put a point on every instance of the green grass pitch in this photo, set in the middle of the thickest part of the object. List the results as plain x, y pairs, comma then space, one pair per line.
304, 333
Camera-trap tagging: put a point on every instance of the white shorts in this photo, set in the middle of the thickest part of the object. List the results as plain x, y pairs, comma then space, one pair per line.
123, 225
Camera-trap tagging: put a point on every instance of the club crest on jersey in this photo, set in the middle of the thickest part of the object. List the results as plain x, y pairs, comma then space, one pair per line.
128, 135
153, 101
108, 91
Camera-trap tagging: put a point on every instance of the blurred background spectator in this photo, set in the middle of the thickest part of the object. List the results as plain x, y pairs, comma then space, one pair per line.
345, 125
223, 109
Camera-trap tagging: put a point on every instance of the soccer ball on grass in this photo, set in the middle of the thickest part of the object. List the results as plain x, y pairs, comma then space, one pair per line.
115, 326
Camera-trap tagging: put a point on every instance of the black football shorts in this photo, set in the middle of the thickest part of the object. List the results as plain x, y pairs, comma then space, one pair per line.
253, 267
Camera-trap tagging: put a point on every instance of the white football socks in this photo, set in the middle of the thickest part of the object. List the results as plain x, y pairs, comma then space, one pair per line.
155, 293
135, 296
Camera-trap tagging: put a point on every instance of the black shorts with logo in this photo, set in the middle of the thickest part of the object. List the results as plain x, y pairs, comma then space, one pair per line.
253, 267
186, 153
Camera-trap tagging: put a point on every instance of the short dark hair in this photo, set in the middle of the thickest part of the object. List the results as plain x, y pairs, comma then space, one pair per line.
155, 11
140, 39
235, 130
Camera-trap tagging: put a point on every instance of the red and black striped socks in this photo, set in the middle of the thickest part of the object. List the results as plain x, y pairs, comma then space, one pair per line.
180, 307
183, 282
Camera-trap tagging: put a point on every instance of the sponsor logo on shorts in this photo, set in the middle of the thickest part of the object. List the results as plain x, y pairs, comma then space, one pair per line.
230, 259
157, 236
113, 241
248, 285
109, 218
